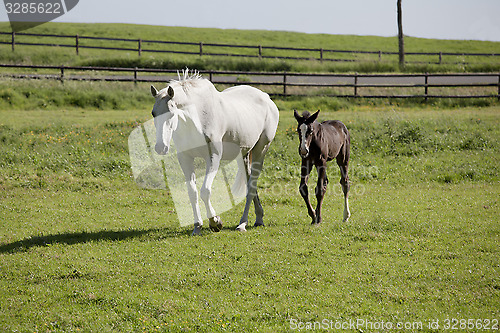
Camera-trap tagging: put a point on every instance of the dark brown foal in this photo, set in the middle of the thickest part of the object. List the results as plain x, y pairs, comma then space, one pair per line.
319, 144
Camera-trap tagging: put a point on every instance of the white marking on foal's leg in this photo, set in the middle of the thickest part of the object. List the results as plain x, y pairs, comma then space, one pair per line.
347, 213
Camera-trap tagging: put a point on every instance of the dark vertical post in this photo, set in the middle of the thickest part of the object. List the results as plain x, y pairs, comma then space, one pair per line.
499, 86
260, 51
135, 75
321, 54
13, 40
139, 46
284, 83
77, 44
440, 58
426, 85
211, 76
62, 73
356, 85
201, 49
401, 37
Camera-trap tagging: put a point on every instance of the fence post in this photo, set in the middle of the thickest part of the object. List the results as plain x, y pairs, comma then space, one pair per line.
211, 76
321, 54
284, 83
440, 58
77, 44
260, 51
356, 85
62, 73
201, 49
139, 46
13, 40
426, 83
379, 55
135, 75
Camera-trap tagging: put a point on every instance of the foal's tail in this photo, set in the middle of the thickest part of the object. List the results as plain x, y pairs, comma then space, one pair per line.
346, 148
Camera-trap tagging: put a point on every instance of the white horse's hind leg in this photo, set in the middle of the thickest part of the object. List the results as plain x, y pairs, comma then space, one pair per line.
213, 163
259, 211
187, 165
257, 165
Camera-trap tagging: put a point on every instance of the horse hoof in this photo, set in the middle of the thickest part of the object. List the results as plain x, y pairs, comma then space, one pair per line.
259, 224
242, 227
197, 230
215, 223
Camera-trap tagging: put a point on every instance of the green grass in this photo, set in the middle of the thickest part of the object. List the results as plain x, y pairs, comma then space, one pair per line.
366, 63
83, 248
54, 95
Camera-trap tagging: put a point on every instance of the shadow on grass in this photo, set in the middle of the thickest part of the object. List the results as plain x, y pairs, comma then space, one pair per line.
71, 238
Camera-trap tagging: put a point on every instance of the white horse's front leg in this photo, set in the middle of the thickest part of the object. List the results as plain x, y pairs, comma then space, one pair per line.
187, 165
213, 163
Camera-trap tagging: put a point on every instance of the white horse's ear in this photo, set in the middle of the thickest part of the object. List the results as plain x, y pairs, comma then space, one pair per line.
170, 92
154, 92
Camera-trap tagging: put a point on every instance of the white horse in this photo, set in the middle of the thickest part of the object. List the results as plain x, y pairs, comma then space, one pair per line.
215, 125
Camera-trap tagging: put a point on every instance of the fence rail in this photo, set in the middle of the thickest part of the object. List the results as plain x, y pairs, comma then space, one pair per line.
476, 85
200, 48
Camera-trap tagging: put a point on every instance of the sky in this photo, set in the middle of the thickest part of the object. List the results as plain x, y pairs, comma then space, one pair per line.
442, 19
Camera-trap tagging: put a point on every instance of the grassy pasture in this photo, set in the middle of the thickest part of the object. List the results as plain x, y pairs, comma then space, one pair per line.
365, 63
83, 248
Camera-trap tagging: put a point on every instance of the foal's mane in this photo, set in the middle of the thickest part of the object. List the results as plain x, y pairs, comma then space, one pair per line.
306, 114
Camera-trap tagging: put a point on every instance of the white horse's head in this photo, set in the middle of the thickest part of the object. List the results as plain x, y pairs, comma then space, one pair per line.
166, 117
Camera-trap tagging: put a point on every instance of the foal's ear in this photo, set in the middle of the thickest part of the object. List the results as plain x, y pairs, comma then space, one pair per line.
296, 115
312, 118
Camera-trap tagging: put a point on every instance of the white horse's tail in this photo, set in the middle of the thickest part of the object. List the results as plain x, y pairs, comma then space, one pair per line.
239, 188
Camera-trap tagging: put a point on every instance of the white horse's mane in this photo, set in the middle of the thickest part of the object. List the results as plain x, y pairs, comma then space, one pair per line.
186, 76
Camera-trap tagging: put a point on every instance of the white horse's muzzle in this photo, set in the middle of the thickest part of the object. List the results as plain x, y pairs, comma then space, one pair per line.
161, 149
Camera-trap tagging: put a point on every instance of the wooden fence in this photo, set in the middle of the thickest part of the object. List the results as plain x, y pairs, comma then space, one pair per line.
207, 49
473, 85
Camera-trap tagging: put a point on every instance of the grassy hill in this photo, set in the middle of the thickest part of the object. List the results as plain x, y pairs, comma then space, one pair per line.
363, 63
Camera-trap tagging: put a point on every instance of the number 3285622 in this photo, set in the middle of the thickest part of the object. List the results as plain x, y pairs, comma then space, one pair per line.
33, 8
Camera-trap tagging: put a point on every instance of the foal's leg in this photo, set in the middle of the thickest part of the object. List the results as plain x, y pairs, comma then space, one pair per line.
344, 181
213, 163
305, 170
320, 190
187, 165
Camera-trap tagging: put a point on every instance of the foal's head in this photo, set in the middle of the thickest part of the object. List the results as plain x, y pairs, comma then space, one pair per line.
305, 130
